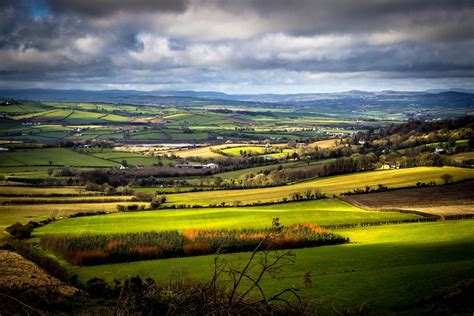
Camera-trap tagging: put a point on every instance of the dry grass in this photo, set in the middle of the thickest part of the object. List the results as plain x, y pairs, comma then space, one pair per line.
18, 273
463, 156
26, 190
205, 152
328, 143
454, 199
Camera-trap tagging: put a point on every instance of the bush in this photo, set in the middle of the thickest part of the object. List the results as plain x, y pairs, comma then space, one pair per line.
20, 231
157, 201
143, 197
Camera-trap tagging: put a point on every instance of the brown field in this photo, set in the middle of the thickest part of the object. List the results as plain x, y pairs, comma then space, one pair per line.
328, 143
204, 152
38, 191
18, 273
64, 199
463, 156
453, 199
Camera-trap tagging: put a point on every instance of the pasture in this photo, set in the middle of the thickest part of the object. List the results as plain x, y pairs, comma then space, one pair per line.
384, 266
245, 150
328, 143
255, 170
10, 214
320, 212
53, 157
40, 191
328, 185
202, 152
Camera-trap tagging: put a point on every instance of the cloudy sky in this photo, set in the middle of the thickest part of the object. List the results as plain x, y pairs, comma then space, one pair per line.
237, 46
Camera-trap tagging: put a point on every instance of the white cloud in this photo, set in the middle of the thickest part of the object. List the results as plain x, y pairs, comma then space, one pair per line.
89, 44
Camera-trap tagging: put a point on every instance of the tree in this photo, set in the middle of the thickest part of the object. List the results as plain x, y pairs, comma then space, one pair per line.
447, 178
157, 201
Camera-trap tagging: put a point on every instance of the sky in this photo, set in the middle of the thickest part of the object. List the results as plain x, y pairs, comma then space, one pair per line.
237, 46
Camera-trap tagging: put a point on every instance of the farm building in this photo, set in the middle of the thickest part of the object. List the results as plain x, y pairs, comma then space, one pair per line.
196, 166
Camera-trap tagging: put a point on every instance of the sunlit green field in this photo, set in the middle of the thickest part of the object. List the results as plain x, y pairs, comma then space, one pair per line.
10, 214
384, 266
321, 212
250, 150
328, 185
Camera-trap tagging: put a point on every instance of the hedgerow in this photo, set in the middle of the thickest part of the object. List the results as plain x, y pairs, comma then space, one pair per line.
102, 249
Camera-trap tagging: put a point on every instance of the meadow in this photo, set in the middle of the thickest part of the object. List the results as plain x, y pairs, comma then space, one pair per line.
53, 157
328, 185
24, 190
387, 267
10, 214
320, 212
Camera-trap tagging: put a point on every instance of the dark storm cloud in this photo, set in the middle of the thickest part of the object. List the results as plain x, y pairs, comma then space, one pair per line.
228, 41
107, 7
329, 16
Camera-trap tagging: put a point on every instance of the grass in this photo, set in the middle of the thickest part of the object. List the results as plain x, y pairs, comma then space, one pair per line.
255, 170
62, 199
28, 172
463, 156
328, 185
39, 191
385, 266
251, 150
57, 156
321, 212
328, 143
203, 152
23, 213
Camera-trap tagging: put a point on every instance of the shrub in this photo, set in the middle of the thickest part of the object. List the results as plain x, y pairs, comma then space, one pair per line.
157, 201
20, 231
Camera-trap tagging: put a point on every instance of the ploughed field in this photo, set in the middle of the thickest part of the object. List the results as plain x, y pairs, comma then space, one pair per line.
453, 199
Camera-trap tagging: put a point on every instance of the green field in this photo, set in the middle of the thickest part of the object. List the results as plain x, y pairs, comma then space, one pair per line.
10, 214
250, 150
52, 156
328, 185
321, 212
384, 266
255, 170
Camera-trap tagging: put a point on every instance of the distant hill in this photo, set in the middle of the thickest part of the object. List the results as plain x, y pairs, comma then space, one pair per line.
186, 98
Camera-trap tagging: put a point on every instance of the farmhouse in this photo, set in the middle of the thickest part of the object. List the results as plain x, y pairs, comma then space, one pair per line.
198, 166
